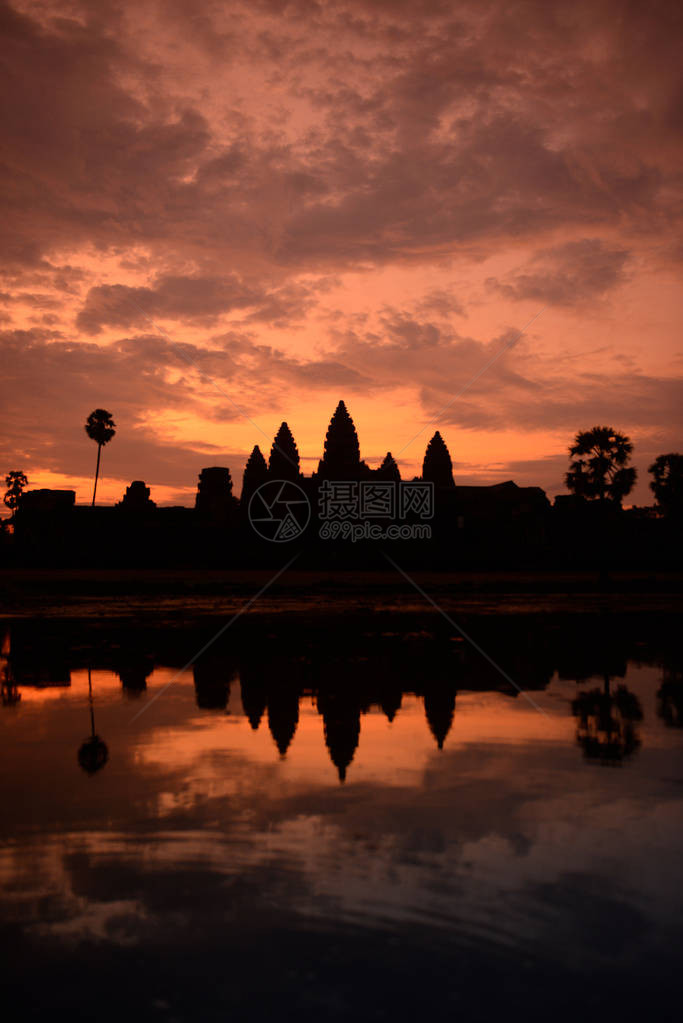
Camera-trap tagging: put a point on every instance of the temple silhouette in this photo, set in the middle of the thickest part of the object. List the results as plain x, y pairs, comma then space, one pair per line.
497, 524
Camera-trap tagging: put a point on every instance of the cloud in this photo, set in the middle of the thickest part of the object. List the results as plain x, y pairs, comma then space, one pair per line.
570, 401
52, 384
570, 274
431, 356
221, 168
171, 297
440, 303
417, 145
149, 382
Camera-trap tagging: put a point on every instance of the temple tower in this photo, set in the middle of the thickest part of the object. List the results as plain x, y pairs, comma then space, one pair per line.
341, 460
437, 467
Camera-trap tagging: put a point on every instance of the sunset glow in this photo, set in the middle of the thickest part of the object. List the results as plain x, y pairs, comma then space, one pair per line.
220, 217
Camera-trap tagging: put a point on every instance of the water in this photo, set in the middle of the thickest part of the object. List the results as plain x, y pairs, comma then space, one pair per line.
359, 817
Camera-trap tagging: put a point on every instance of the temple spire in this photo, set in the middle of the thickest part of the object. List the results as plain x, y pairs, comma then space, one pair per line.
283, 716
341, 722
255, 473
283, 463
439, 704
389, 470
341, 460
437, 467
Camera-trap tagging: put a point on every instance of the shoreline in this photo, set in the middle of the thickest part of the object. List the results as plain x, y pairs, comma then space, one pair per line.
201, 594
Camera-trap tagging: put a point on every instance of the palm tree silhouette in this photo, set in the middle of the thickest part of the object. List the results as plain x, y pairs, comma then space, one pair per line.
93, 753
599, 467
670, 698
8, 685
667, 483
100, 427
606, 723
16, 482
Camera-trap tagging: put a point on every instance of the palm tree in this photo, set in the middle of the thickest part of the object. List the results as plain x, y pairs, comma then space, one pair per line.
599, 468
667, 483
15, 482
100, 427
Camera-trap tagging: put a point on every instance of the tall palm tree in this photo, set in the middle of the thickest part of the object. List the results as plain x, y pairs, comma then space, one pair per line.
100, 427
599, 470
16, 482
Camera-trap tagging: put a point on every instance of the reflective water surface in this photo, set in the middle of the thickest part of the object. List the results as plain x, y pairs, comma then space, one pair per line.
360, 817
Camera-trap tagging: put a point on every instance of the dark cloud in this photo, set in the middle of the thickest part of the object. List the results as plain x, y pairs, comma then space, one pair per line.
440, 303
422, 143
571, 274
183, 298
200, 300
431, 355
570, 401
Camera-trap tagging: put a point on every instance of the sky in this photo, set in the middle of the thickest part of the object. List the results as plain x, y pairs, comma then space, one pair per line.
454, 216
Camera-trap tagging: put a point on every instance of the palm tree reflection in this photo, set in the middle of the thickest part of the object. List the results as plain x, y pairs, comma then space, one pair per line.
670, 698
93, 753
8, 683
10, 691
606, 723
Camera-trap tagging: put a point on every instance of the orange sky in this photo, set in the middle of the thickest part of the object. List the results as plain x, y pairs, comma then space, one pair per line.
223, 217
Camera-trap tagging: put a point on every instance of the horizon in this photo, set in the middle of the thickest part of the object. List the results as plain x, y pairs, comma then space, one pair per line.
237, 480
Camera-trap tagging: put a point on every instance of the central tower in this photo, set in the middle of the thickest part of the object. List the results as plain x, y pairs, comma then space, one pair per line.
341, 460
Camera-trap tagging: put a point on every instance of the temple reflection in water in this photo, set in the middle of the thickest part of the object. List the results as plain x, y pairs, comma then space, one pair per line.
267, 671
350, 798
